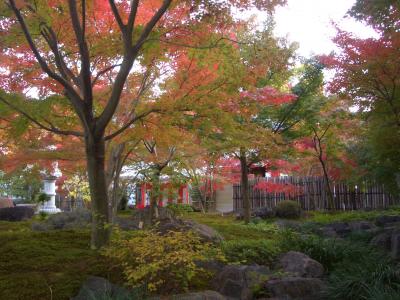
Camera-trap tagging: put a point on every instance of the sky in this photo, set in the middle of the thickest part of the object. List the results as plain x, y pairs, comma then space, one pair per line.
308, 22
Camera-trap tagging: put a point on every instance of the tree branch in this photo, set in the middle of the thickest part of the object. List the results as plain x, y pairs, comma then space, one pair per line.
39, 124
85, 73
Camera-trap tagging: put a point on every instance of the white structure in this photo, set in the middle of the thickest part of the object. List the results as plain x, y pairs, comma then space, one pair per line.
49, 188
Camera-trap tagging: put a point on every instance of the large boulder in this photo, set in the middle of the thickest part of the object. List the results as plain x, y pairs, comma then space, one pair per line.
382, 240
341, 228
127, 223
100, 288
241, 281
263, 213
395, 245
299, 264
357, 226
142, 217
80, 218
205, 295
294, 288
387, 221
16, 213
205, 232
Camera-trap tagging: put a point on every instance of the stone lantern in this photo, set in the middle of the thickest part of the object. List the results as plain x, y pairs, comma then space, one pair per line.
49, 188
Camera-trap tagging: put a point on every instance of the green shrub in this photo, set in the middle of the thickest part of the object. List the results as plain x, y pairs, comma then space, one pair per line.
261, 252
288, 209
163, 263
180, 209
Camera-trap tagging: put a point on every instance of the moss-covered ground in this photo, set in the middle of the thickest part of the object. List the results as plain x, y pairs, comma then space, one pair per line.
53, 265
46, 265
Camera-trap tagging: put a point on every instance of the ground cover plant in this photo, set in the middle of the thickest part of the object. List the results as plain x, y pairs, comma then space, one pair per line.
47, 265
58, 261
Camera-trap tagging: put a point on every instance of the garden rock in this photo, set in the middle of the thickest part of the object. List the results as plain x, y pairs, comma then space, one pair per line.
100, 288
295, 288
17, 213
387, 221
341, 228
288, 224
126, 223
263, 213
300, 264
362, 226
80, 218
395, 245
205, 232
382, 240
240, 281
144, 216
205, 295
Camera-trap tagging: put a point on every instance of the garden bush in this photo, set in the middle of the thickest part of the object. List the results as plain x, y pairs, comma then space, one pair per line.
261, 252
17, 213
288, 209
164, 263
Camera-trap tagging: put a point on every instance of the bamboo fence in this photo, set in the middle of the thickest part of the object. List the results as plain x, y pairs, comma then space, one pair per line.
312, 194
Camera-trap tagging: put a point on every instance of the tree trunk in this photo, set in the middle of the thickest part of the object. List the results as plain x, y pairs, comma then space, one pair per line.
155, 196
245, 186
113, 172
328, 185
95, 153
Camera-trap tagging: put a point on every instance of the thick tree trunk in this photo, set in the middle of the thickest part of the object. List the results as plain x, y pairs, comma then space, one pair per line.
245, 186
95, 153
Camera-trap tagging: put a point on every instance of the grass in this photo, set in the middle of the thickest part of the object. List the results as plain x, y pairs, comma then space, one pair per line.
46, 265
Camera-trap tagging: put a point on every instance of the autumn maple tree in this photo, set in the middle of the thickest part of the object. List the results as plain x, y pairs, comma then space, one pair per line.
367, 75
85, 50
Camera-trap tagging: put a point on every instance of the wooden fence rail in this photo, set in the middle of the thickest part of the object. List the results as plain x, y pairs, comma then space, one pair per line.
312, 194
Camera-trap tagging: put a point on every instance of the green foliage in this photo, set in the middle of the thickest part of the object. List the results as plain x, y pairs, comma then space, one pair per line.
180, 209
163, 263
288, 209
261, 252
